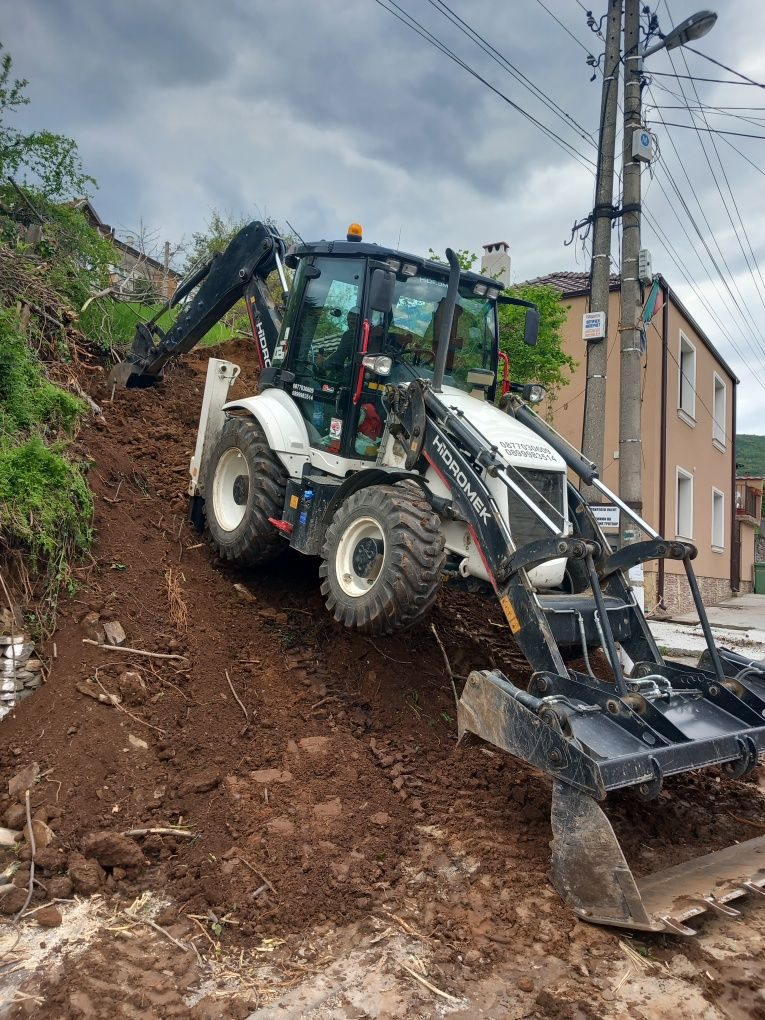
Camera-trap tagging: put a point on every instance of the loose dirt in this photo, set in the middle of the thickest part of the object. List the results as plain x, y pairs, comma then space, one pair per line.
337, 834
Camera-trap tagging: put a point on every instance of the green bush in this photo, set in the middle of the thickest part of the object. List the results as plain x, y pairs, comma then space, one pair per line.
27, 399
45, 504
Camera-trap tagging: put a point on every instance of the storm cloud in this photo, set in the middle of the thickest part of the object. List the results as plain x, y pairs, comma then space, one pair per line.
330, 111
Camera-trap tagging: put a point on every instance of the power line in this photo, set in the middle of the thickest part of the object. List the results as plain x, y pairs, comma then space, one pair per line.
515, 72
564, 27
696, 77
715, 131
748, 81
730, 192
420, 30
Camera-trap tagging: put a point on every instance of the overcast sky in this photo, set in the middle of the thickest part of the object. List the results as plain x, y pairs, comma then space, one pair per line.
325, 111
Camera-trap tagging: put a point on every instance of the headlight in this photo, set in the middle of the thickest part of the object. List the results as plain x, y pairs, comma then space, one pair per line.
380, 364
533, 392
479, 289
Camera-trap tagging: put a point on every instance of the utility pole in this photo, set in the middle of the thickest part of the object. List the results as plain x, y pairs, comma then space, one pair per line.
630, 400
594, 415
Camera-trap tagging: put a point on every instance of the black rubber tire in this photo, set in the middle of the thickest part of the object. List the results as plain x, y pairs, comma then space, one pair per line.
410, 575
255, 540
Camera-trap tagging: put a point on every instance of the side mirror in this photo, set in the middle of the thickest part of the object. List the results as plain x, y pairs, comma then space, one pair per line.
531, 327
381, 290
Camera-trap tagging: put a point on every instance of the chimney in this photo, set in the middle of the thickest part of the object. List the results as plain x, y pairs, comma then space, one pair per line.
495, 261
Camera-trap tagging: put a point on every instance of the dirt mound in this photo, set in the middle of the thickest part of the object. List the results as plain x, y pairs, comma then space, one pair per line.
337, 789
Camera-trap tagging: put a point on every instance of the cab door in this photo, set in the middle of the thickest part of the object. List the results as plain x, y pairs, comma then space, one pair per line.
322, 348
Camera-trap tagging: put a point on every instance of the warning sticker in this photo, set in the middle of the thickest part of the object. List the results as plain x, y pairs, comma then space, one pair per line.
336, 428
507, 609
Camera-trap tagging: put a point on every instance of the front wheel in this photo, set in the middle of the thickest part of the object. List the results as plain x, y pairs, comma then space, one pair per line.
382, 559
245, 486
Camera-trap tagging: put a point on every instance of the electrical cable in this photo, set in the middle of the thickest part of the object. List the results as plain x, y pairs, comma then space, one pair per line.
419, 29
499, 58
696, 77
717, 131
746, 80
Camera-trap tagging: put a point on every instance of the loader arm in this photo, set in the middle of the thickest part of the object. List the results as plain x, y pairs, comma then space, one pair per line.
647, 720
240, 271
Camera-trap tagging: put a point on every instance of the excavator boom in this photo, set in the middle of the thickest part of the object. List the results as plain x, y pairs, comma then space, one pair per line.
238, 272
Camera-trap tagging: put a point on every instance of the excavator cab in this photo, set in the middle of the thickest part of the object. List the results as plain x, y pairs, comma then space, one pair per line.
361, 317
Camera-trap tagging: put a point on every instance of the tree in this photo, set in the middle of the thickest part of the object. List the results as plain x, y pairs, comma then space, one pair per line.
49, 162
547, 363
465, 257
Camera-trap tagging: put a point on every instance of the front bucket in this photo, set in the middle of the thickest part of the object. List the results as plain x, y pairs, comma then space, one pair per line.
591, 875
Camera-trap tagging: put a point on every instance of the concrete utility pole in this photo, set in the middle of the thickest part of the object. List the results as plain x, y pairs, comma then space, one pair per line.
594, 416
630, 445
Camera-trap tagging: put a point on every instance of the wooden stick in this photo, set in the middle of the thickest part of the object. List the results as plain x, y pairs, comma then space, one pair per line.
33, 845
238, 700
116, 704
134, 651
255, 871
446, 662
427, 984
162, 831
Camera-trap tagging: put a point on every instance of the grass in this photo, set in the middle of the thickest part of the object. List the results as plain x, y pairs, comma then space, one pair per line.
111, 324
45, 503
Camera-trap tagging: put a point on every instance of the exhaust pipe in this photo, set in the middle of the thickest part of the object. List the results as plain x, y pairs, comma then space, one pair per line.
447, 318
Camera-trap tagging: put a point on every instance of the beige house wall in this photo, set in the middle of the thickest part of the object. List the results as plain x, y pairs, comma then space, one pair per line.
689, 444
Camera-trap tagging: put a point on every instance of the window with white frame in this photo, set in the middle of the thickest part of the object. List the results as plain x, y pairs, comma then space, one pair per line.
686, 396
718, 410
718, 519
684, 504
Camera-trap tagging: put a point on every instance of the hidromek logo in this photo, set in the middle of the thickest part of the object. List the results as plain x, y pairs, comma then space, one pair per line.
263, 342
453, 467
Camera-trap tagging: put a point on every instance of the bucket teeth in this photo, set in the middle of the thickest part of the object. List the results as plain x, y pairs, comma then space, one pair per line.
753, 887
719, 907
677, 927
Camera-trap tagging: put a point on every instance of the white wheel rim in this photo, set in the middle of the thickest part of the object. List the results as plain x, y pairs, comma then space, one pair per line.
231, 485
359, 557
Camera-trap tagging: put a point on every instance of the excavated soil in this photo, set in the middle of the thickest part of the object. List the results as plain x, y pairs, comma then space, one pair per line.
333, 794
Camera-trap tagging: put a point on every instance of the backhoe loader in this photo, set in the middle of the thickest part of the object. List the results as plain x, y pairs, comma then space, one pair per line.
384, 439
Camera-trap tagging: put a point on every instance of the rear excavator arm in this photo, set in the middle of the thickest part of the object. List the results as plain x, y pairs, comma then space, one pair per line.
240, 271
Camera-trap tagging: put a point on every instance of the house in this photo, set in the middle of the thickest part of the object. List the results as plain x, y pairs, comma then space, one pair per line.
134, 273
748, 523
688, 440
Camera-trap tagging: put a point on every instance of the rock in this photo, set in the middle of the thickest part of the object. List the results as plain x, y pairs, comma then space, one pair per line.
202, 782
9, 837
48, 916
112, 849
243, 592
23, 780
267, 776
21, 878
314, 745
34, 665
12, 899
14, 816
137, 743
380, 818
282, 825
329, 808
167, 754
43, 834
115, 633
92, 627
131, 686
87, 875
59, 887
525, 984
50, 860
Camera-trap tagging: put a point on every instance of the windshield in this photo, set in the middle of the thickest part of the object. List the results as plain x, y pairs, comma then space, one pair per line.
413, 327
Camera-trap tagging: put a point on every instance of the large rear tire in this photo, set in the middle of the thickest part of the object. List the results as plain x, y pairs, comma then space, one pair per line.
382, 559
245, 485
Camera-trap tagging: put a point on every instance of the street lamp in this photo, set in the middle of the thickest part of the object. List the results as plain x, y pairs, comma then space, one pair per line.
692, 28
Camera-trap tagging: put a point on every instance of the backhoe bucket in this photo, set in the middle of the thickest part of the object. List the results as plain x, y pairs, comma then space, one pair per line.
590, 740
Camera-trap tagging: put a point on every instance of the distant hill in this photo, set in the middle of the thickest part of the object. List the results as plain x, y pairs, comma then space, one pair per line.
750, 455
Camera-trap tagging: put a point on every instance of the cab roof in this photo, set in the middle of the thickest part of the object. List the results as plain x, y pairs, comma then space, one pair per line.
364, 249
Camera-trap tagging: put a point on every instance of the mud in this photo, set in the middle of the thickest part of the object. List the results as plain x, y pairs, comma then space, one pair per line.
333, 803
